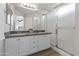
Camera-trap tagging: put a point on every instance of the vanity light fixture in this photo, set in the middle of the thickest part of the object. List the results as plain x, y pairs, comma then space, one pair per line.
29, 6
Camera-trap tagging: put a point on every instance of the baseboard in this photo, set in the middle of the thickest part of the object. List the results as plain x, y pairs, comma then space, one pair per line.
63, 53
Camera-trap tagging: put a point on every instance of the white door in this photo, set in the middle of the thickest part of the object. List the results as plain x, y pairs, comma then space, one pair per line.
66, 26
76, 39
43, 42
24, 46
11, 47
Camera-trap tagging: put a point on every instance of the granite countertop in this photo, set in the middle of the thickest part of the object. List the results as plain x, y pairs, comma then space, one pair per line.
26, 34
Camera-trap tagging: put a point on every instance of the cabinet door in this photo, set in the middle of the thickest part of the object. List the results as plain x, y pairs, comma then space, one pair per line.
43, 42
33, 44
53, 39
24, 45
11, 47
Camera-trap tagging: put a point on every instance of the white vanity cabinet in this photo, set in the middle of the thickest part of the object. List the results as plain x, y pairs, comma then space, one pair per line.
33, 44
11, 47
53, 41
24, 45
39, 43
20, 46
43, 42
17, 46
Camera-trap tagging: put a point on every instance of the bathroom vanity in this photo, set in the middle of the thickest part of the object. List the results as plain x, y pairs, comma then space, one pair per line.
26, 43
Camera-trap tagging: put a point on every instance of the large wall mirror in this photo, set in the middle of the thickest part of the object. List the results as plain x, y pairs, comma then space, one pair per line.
9, 17
19, 23
13, 20
39, 23
20, 19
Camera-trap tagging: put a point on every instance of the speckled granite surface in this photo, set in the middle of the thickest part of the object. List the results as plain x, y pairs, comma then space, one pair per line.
26, 34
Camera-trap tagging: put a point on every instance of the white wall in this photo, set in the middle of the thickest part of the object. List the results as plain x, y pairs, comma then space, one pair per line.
2, 20
51, 25
51, 22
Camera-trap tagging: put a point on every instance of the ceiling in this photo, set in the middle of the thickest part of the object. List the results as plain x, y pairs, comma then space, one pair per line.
46, 6
42, 8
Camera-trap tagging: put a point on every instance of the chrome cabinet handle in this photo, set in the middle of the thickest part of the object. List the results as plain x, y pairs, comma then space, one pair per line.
18, 39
